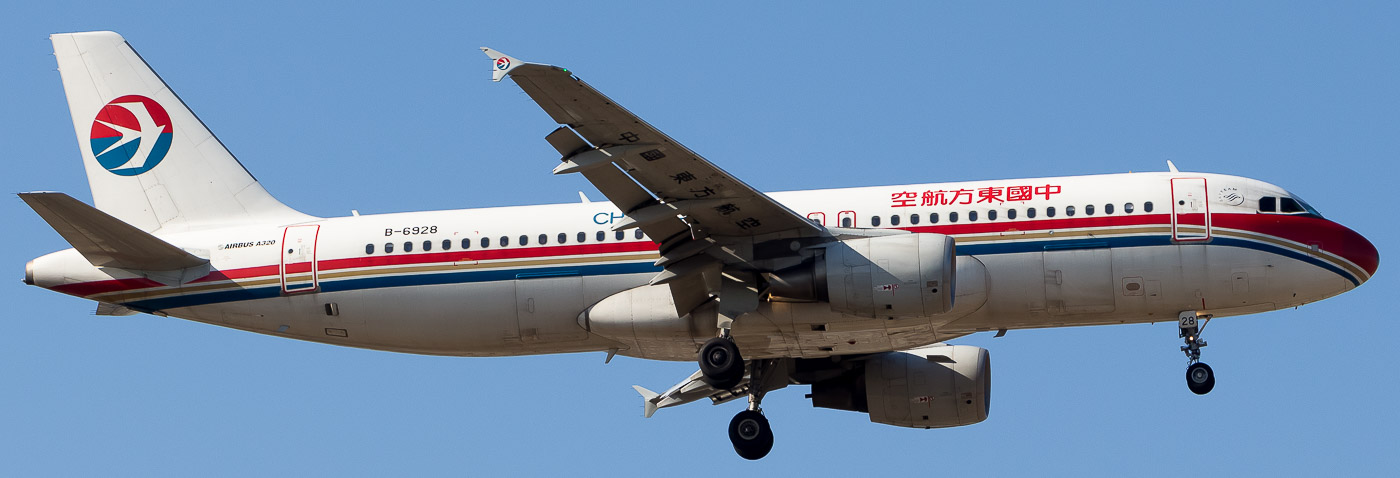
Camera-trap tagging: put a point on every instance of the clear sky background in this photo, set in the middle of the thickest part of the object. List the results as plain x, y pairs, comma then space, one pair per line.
388, 106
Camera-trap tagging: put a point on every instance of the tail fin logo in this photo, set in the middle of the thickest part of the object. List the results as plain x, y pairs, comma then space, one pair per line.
131, 135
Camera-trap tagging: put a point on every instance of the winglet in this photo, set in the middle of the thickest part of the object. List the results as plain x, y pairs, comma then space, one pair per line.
502, 65
648, 399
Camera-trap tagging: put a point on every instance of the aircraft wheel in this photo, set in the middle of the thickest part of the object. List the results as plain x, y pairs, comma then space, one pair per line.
751, 435
1200, 378
721, 366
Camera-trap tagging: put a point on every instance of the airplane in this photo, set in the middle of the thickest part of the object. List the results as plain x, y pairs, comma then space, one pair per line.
855, 292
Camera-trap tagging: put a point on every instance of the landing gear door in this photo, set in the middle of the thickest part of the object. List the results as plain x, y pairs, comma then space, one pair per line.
1190, 210
298, 266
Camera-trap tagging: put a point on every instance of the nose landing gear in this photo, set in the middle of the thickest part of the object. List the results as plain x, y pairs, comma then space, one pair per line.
1199, 377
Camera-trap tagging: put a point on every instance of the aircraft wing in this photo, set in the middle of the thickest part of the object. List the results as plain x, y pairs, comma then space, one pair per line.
683, 183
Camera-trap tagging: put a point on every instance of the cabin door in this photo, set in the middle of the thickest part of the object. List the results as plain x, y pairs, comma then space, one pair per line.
1190, 210
298, 266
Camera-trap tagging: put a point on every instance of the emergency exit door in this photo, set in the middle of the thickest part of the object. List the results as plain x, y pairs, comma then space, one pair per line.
298, 266
1190, 210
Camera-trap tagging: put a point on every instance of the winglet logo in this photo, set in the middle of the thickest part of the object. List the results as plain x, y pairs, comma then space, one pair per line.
130, 135
502, 63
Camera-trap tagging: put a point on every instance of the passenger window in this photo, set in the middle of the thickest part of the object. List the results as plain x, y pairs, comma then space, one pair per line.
1108, 209
1088, 209
913, 219
563, 238
582, 237
1011, 214
543, 239
601, 236
992, 215
523, 240
933, 218
620, 235
1069, 210
874, 221
1268, 204
388, 247
446, 244
637, 234
505, 241
1127, 208
485, 242
1030, 213
369, 248
1147, 206
1050, 211
894, 220
427, 246
845, 222
466, 243
972, 216
953, 217
408, 247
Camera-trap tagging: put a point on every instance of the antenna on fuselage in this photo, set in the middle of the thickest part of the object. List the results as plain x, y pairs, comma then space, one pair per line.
1171, 167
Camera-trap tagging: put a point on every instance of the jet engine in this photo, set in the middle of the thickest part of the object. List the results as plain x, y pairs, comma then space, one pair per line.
931, 387
906, 275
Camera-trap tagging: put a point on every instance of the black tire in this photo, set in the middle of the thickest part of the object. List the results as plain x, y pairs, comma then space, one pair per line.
751, 435
721, 366
1200, 378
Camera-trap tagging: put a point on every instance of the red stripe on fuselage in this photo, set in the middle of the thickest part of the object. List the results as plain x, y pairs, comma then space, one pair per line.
1327, 235
84, 289
1026, 225
484, 255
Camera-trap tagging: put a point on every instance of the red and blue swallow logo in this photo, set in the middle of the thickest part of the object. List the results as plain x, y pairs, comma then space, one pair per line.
131, 135
502, 63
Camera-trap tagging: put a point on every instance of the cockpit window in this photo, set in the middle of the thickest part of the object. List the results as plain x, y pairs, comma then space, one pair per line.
1307, 207
1286, 205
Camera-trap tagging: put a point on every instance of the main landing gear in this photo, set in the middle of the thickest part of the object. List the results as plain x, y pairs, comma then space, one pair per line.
749, 430
722, 367
1199, 377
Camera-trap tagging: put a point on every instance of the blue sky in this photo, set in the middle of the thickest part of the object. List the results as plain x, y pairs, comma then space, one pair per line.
388, 106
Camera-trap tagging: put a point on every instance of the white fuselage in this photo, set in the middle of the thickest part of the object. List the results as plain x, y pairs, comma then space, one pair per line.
1122, 248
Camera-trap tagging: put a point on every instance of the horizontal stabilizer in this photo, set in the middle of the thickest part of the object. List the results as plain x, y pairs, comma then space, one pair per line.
106, 241
104, 308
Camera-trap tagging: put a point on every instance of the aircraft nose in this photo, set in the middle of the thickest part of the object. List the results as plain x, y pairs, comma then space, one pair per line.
1356, 248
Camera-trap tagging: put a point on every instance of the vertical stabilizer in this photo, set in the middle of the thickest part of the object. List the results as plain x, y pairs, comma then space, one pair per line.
149, 160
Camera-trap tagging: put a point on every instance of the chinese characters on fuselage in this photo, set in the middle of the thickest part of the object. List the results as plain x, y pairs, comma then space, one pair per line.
994, 194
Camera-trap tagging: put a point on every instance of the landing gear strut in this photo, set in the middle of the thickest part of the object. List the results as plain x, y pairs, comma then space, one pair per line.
1199, 377
749, 430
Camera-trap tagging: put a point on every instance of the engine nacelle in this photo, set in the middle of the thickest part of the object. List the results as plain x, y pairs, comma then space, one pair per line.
906, 275
931, 387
